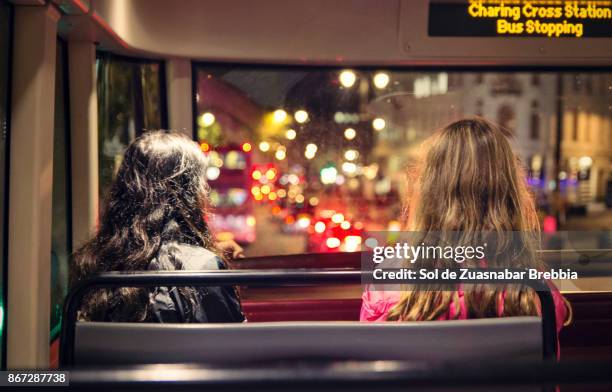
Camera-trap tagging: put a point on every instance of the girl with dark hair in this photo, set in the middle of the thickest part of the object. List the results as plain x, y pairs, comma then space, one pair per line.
154, 220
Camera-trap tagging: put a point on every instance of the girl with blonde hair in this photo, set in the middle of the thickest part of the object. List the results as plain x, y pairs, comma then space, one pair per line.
468, 181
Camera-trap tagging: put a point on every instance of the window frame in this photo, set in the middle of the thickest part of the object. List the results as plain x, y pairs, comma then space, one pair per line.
5, 186
54, 332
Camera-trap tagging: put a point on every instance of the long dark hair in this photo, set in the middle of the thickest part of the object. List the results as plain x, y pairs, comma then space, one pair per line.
157, 199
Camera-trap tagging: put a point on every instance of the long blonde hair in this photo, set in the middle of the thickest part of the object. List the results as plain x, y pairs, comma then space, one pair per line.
470, 181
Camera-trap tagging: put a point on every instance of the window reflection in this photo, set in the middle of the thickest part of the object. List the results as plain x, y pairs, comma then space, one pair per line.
340, 140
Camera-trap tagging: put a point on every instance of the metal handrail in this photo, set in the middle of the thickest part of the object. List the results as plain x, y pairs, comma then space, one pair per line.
256, 277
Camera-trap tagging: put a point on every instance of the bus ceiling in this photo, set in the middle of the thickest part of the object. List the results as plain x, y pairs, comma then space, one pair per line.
321, 32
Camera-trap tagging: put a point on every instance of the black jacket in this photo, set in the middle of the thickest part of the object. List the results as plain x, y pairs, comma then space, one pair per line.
195, 304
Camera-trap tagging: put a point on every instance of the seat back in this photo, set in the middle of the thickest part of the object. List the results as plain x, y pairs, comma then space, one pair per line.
131, 343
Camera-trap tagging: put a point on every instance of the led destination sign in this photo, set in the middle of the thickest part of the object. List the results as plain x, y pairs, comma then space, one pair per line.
520, 18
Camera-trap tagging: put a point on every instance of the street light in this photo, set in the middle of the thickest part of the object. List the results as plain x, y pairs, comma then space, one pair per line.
351, 155
310, 154
350, 133
280, 154
311, 147
349, 168
301, 116
207, 119
279, 116
347, 78
329, 175
264, 146
379, 124
290, 134
381, 80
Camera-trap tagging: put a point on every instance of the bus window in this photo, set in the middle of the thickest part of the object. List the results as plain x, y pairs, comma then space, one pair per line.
129, 102
340, 140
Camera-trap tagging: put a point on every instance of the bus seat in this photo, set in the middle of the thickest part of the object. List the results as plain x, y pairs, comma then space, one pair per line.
340, 309
130, 343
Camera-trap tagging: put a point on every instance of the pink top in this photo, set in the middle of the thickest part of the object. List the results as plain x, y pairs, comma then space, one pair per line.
376, 305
